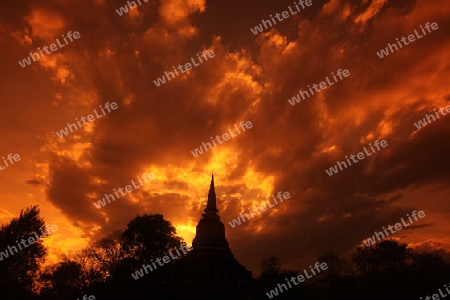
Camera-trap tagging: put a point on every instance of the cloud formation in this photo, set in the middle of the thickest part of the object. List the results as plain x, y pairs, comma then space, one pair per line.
251, 77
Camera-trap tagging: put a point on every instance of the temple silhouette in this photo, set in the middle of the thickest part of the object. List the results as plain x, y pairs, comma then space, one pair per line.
209, 270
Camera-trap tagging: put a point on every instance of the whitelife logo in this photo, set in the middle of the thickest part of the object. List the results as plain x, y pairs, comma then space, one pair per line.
300, 278
285, 14
237, 221
140, 273
423, 123
187, 65
27, 61
397, 226
90, 118
411, 38
128, 189
322, 85
436, 296
123, 10
85, 297
16, 158
47, 231
198, 151
360, 156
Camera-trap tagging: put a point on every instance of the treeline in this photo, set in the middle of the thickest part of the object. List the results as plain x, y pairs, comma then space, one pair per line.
386, 270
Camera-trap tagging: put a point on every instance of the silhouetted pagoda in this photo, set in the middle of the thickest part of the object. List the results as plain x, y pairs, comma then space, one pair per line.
209, 270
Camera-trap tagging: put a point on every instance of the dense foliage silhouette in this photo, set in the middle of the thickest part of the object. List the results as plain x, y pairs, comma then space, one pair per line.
386, 270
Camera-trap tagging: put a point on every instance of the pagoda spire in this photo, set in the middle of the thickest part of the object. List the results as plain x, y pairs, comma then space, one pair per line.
210, 234
211, 205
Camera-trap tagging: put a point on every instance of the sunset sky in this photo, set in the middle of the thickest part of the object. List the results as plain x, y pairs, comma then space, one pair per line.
251, 77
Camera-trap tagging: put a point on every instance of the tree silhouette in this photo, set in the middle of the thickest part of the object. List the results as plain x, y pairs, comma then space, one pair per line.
22, 266
272, 274
387, 255
337, 268
270, 267
387, 270
69, 278
149, 236
145, 238
106, 254
64, 279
